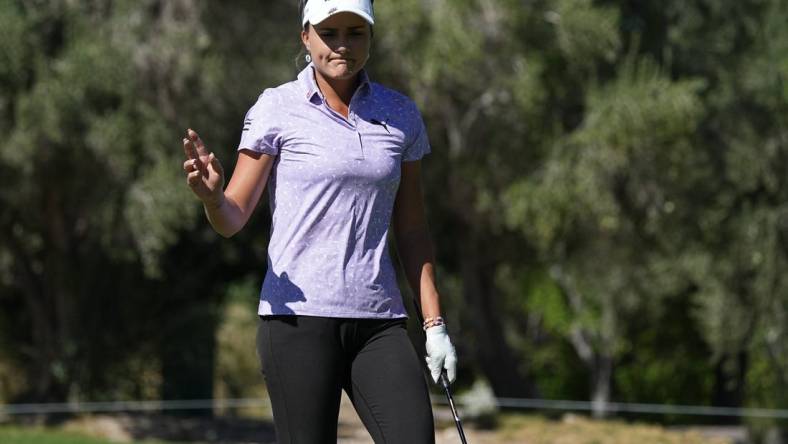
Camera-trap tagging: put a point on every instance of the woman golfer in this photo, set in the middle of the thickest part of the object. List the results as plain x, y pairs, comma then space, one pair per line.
340, 155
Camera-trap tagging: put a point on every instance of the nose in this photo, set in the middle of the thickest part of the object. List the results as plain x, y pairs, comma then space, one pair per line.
343, 42
342, 45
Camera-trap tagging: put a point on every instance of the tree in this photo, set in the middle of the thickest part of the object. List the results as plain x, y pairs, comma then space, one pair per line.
741, 255
80, 157
601, 206
108, 262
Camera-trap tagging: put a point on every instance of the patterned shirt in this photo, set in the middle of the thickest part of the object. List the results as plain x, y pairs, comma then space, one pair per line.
331, 195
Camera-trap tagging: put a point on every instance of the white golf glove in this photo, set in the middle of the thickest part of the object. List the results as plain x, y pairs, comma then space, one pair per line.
440, 353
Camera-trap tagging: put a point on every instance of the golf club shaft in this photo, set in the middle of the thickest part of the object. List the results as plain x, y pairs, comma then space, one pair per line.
445, 383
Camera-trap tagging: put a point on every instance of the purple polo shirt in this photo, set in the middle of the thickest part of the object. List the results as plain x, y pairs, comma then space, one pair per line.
332, 191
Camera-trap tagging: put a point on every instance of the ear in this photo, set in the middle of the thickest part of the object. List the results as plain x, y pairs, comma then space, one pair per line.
305, 36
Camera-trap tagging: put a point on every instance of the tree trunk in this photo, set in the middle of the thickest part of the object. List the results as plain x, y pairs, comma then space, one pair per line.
598, 362
600, 388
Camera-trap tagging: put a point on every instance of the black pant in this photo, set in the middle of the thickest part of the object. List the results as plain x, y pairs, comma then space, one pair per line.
308, 360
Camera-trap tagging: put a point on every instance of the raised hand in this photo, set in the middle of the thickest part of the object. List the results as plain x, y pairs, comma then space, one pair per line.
205, 175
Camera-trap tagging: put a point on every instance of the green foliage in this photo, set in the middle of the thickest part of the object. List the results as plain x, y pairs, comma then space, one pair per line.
544, 298
14, 435
603, 195
93, 100
237, 364
585, 33
20, 436
668, 361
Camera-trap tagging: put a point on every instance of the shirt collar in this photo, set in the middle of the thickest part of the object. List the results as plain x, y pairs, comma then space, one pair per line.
306, 78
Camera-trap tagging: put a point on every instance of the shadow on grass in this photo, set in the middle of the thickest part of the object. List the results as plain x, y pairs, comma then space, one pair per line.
214, 430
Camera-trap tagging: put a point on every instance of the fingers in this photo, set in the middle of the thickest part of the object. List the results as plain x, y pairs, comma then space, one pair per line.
436, 375
193, 163
435, 365
193, 145
194, 178
190, 165
450, 364
188, 149
197, 142
215, 164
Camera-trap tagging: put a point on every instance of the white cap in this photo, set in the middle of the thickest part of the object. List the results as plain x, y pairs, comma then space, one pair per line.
316, 11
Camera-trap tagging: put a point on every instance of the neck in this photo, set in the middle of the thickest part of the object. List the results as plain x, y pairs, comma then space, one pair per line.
337, 90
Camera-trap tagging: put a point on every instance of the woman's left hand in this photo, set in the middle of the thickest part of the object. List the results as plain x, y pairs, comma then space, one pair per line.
440, 353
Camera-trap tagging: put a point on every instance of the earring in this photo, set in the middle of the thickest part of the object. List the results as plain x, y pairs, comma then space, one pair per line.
308, 58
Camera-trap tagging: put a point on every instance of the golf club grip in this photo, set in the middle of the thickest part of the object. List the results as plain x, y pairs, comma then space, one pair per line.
444, 379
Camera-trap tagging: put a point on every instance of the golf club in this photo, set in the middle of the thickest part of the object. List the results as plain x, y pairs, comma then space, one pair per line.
445, 383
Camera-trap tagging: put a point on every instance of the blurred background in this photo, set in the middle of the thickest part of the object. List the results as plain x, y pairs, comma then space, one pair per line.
607, 193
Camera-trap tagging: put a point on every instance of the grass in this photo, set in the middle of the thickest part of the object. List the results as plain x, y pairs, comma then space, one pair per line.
14, 435
39, 435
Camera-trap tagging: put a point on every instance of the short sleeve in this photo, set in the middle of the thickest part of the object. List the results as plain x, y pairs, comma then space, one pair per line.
419, 145
261, 131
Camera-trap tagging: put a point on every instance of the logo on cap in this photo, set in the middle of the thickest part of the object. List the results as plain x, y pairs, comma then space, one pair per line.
332, 10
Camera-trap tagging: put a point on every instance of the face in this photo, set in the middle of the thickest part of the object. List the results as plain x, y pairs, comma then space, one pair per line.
339, 45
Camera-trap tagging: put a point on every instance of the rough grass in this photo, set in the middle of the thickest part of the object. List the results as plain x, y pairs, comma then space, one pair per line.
37, 435
15, 435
